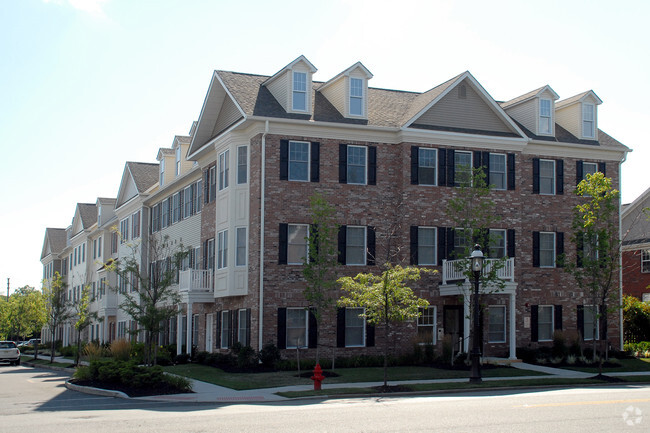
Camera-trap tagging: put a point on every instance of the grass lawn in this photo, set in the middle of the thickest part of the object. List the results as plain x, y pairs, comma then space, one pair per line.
241, 381
641, 364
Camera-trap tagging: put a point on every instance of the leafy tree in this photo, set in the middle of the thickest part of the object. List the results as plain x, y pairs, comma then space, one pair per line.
4, 318
57, 307
83, 316
386, 299
320, 266
636, 320
596, 236
150, 295
25, 312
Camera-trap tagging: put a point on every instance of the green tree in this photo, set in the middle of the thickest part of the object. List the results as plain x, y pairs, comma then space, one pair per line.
150, 295
320, 266
385, 298
26, 312
83, 317
596, 237
636, 320
57, 307
4, 318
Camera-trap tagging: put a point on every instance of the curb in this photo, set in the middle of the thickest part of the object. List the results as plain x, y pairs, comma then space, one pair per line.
95, 391
48, 367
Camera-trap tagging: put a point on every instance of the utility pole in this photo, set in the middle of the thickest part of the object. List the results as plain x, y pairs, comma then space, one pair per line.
7, 289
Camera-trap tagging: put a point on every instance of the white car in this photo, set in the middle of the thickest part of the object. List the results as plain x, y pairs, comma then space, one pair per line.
9, 352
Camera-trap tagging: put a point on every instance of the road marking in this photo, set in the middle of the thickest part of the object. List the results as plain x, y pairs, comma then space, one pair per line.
583, 403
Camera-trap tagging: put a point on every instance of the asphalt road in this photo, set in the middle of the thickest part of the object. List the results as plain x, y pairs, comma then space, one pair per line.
33, 400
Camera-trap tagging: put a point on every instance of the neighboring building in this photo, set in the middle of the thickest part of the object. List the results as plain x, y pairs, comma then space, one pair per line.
237, 192
635, 222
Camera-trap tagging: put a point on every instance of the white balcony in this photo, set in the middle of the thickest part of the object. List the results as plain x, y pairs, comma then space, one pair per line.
197, 283
453, 270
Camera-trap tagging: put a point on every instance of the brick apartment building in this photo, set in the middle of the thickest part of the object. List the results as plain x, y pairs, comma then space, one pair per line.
236, 190
635, 224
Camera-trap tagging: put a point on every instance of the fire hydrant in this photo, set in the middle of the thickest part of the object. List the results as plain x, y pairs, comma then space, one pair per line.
317, 377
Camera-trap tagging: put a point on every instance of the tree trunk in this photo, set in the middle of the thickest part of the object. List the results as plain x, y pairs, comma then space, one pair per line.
78, 354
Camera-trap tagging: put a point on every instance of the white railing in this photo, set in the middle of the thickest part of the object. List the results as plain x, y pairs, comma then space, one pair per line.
453, 270
195, 280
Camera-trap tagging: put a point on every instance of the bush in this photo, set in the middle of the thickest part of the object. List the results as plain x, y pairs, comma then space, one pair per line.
69, 351
269, 355
245, 355
183, 358
121, 350
636, 320
92, 352
559, 349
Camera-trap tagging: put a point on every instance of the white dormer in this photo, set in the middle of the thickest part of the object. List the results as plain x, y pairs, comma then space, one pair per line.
535, 110
579, 115
166, 157
292, 86
348, 91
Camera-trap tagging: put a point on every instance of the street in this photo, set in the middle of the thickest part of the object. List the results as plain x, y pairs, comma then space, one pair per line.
35, 400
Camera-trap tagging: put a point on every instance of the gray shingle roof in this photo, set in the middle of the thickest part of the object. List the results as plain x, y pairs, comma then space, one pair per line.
145, 174
523, 97
57, 239
88, 213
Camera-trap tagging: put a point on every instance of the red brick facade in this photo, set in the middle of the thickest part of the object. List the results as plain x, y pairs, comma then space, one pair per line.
635, 282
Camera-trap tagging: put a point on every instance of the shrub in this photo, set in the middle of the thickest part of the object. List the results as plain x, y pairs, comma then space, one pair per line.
183, 358
269, 355
92, 352
121, 349
559, 349
245, 356
68, 351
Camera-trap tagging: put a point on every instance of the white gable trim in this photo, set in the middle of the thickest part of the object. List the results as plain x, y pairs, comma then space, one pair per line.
290, 66
347, 72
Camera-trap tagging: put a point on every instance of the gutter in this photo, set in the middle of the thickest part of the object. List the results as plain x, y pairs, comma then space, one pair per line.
262, 199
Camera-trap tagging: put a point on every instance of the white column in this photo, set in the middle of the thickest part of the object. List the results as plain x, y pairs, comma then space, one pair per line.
179, 323
189, 328
513, 328
467, 326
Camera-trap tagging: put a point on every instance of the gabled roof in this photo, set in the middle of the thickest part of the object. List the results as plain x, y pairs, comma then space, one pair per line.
299, 59
634, 221
88, 213
578, 98
54, 242
528, 96
357, 65
164, 151
137, 178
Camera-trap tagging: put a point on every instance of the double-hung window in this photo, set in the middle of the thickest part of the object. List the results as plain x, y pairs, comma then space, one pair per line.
296, 328
240, 259
188, 201
355, 327
588, 120
545, 323
225, 330
161, 178
462, 168
209, 254
357, 165
177, 207
222, 249
299, 99
135, 222
545, 116
427, 325
178, 160
355, 246
242, 327
356, 97
498, 178
462, 242
242, 165
124, 230
426, 246
299, 160
297, 244
427, 166
546, 176
645, 261
223, 170
547, 249
497, 324
165, 212
497, 247
589, 168
590, 319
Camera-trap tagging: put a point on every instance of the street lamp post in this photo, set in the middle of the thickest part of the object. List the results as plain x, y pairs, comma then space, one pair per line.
477, 266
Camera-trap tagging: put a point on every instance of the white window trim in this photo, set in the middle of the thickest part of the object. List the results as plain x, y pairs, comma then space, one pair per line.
365, 246
362, 98
308, 162
237, 231
306, 342
552, 321
365, 177
161, 177
434, 331
222, 249
505, 328
594, 310
549, 117
365, 324
505, 241
471, 165
240, 328
553, 178
222, 328
178, 160
554, 249
304, 93
592, 132
505, 172
584, 166
239, 148
435, 246
645, 258
306, 240
224, 170
435, 165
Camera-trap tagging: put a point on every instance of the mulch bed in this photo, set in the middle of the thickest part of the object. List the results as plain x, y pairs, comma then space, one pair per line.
162, 389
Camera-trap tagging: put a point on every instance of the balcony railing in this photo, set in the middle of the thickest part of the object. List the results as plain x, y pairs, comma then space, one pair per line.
453, 270
196, 280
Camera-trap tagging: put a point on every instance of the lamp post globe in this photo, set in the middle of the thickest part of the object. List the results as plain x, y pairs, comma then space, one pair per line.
476, 259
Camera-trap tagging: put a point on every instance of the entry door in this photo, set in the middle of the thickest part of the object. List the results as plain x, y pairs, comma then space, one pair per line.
208, 332
452, 322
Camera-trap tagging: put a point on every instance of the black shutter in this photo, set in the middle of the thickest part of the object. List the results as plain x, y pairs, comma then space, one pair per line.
510, 234
485, 163
559, 248
284, 159
218, 339
536, 249
282, 328
340, 327
314, 175
557, 310
451, 167
248, 327
580, 248
370, 335
282, 244
205, 254
442, 167
206, 186
511, 171
579, 172
535, 175
559, 177
312, 338
342, 244
415, 163
414, 245
234, 327
602, 168
442, 244
581, 321
370, 243
449, 246
476, 159
372, 165
534, 332
343, 163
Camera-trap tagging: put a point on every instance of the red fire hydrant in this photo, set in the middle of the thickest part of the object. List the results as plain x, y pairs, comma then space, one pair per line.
317, 377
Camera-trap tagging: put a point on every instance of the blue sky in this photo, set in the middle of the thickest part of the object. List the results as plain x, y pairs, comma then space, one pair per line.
86, 85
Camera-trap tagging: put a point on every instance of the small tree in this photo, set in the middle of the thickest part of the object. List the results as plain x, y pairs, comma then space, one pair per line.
596, 236
150, 295
57, 307
321, 263
83, 315
26, 312
386, 299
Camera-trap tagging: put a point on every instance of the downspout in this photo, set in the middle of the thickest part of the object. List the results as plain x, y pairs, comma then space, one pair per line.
620, 256
262, 198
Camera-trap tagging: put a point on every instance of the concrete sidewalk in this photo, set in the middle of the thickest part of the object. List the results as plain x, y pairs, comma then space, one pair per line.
209, 393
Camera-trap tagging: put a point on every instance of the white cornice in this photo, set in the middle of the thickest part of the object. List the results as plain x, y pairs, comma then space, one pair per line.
178, 184
572, 150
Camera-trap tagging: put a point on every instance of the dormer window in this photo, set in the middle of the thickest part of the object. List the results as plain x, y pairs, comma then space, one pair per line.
356, 97
545, 119
162, 172
299, 91
588, 120
178, 160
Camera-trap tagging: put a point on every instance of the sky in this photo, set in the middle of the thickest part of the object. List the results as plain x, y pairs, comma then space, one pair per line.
86, 85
